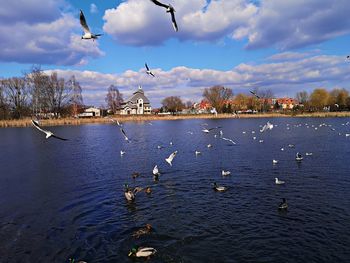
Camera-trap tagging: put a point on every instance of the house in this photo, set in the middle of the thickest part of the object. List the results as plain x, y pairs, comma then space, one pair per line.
138, 103
287, 103
90, 112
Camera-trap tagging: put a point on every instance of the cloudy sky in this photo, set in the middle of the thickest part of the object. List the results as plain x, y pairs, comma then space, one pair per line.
286, 46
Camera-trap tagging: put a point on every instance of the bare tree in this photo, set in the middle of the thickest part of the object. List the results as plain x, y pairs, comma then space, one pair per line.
38, 82
16, 90
217, 96
3, 104
302, 97
76, 99
114, 98
173, 104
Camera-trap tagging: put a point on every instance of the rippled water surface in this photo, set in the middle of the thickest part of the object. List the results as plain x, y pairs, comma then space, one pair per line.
64, 199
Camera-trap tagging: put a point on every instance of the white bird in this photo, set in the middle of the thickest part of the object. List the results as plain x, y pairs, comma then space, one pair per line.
278, 181
169, 9
87, 32
197, 152
230, 140
209, 145
171, 143
308, 154
221, 133
274, 161
159, 147
347, 134
122, 152
156, 171
254, 138
261, 141
148, 71
48, 133
267, 126
170, 158
189, 132
225, 173
282, 149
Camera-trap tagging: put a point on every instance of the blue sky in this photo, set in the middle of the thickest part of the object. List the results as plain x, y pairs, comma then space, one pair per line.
285, 46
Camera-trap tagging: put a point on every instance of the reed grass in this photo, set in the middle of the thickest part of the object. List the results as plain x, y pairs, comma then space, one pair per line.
139, 118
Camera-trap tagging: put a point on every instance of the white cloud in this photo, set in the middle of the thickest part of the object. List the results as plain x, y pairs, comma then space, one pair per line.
139, 22
41, 37
291, 24
283, 78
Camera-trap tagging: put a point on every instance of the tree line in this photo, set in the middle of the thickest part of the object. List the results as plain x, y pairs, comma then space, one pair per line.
223, 100
41, 94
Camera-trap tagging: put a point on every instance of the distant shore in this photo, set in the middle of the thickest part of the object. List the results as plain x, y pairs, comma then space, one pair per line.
137, 118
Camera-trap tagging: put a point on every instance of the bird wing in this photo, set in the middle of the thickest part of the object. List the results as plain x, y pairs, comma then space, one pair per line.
36, 125
123, 132
83, 22
151, 73
172, 156
174, 21
159, 3
146, 67
60, 138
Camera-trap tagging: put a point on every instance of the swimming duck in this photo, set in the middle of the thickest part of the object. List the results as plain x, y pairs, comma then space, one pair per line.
274, 161
144, 252
135, 174
283, 205
142, 231
148, 190
130, 193
197, 152
219, 188
298, 157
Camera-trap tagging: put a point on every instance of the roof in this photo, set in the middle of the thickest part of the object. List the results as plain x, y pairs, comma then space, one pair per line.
139, 94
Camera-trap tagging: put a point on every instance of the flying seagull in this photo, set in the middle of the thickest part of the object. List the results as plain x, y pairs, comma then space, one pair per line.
254, 93
170, 158
124, 134
208, 130
148, 71
169, 9
115, 121
87, 32
267, 126
48, 133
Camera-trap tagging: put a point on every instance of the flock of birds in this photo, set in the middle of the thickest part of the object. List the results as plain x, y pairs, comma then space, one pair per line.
131, 192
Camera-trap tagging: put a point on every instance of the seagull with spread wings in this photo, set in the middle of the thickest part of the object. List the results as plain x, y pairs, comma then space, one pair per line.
169, 9
148, 71
48, 133
171, 157
87, 32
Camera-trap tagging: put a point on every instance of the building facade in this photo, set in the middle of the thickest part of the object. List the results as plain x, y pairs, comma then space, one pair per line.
138, 103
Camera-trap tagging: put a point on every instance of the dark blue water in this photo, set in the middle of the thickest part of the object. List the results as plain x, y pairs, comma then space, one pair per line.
65, 199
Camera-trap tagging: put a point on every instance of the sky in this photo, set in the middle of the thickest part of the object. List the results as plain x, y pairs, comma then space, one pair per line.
284, 46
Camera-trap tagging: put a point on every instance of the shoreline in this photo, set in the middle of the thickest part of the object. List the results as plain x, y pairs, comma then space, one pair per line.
134, 118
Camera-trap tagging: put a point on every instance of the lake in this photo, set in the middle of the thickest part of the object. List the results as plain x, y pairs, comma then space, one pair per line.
65, 199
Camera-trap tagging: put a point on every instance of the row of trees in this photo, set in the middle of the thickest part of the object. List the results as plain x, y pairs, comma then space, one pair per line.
38, 93
223, 101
